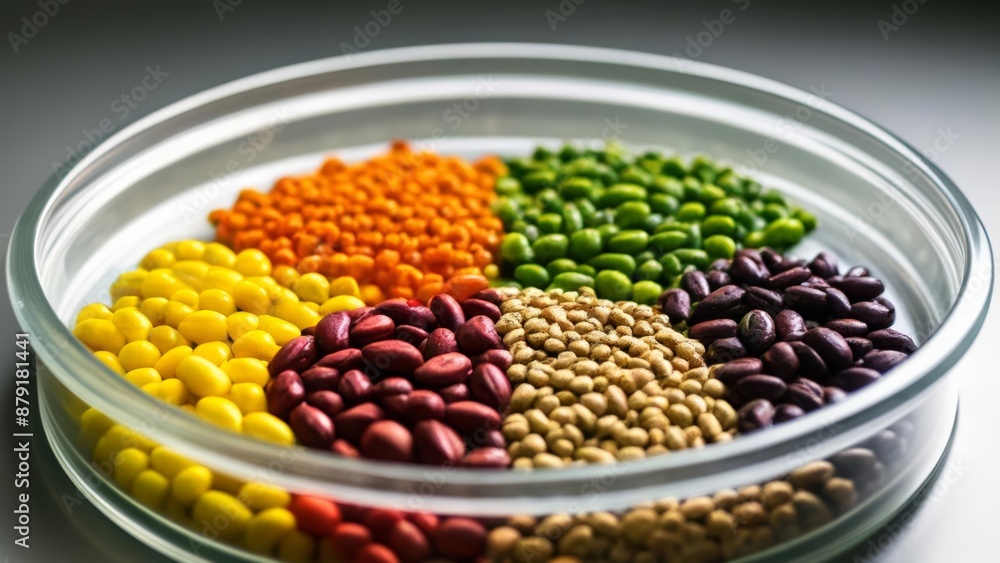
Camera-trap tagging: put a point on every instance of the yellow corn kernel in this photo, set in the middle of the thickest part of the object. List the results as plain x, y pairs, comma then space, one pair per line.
252, 298
253, 262
202, 377
138, 354
261, 496
220, 412
267, 282
131, 322
167, 364
266, 426
188, 408
345, 285
372, 294
240, 323
110, 360
219, 277
255, 344
217, 300
154, 309
93, 425
188, 297
94, 311
190, 250
143, 376
312, 287
150, 488
227, 484
246, 370
219, 255
172, 391
285, 276
167, 338
192, 273
151, 388
100, 335
176, 312
215, 508
297, 314
266, 530
249, 397
129, 463
340, 303
160, 283
168, 462
216, 352
123, 437
296, 546
204, 326
314, 307
280, 329
129, 283
158, 258
126, 301
190, 484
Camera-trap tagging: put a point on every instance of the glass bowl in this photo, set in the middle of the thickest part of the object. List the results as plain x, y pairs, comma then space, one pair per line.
879, 203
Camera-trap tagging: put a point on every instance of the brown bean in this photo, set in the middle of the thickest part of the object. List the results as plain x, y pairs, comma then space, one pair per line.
860, 288
454, 393
762, 298
332, 332
387, 440
327, 401
848, 327
459, 538
725, 302
837, 304
351, 424
312, 427
448, 311
343, 360
781, 360
755, 415
804, 397
808, 300
696, 284
731, 372
392, 356
816, 282
436, 443
477, 307
676, 303
713, 330
749, 271
468, 417
824, 265
478, 335
810, 362
371, 329
760, 386
890, 339
789, 325
355, 387
424, 405
787, 278
854, 378
443, 371
874, 314
857, 271
725, 350
490, 295
831, 346
487, 457
500, 358
757, 330
319, 378
284, 393
753, 254
833, 394
441, 341
489, 385
859, 346
717, 279
296, 355
786, 412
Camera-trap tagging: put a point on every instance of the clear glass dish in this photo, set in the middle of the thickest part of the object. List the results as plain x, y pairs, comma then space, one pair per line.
879, 203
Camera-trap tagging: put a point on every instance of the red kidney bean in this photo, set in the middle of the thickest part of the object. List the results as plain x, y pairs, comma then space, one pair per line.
421, 317
312, 427
803, 397
460, 538
723, 302
395, 406
696, 284
454, 393
393, 356
749, 271
381, 521
725, 350
808, 300
387, 440
810, 362
831, 346
392, 386
468, 417
332, 332
308, 331
375, 553
409, 543
296, 355
448, 311
396, 309
327, 401
760, 386
426, 521
424, 405
443, 371
355, 387
890, 339
882, 360
757, 331
731, 372
761, 298
477, 307
789, 277
500, 358
709, 331
854, 378
824, 265
789, 325
319, 378
786, 412
491, 295
717, 279
342, 361
676, 303
410, 334
284, 393
370, 329
857, 271
848, 327
755, 415
437, 444
478, 335
489, 385
487, 457
494, 439
352, 423
348, 538
441, 341
859, 346
781, 360
860, 288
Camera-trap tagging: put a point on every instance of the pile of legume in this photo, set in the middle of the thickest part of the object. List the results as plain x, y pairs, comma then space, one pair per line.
788, 337
628, 226
403, 224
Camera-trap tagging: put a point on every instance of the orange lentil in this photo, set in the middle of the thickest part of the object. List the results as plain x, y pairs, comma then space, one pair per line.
403, 223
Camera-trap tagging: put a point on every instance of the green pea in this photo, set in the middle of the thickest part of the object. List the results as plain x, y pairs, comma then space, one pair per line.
672, 265
718, 225
692, 188
669, 240
774, 196
568, 152
550, 201
603, 217
649, 270
515, 249
586, 208
550, 223
619, 194
631, 214
674, 166
694, 256
636, 175
784, 232
730, 182
572, 218
711, 193
645, 255
614, 261
667, 185
691, 211
531, 214
740, 233
807, 219
646, 292
651, 222
773, 211
694, 231
507, 210
720, 246
582, 166
613, 285
585, 244
560, 265
752, 188
571, 281
606, 174
664, 203
607, 232
729, 206
507, 186
575, 187
754, 239
542, 153
520, 165
532, 232
534, 182
549, 247
506, 282
586, 269
532, 275
629, 242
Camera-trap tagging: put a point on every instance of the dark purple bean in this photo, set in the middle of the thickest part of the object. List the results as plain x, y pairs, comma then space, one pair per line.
761, 298
857, 271
860, 288
837, 304
824, 265
696, 284
890, 339
753, 254
833, 395
789, 325
757, 331
360, 313
749, 271
719, 265
786, 412
859, 346
788, 278
476, 307
447, 310
725, 350
490, 295
709, 331
873, 314
731, 372
332, 332
806, 300
781, 360
756, 415
676, 303
786, 264
804, 397
854, 378
410, 334
812, 386
831, 346
760, 386
320, 378
772, 259
848, 327
309, 331
815, 282
883, 360
810, 362
717, 279
725, 302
